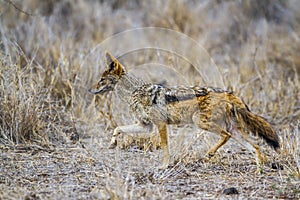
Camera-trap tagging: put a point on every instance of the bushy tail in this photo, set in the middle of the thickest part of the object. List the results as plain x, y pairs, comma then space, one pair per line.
259, 126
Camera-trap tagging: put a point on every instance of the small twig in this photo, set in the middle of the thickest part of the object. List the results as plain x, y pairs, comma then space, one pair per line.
17, 8
255, 64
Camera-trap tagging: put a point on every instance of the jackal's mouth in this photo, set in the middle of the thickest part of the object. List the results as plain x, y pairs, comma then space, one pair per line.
94, 91
99, 91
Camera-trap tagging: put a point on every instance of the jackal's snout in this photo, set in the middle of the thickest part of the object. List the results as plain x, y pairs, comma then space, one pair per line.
105, 84
95, 89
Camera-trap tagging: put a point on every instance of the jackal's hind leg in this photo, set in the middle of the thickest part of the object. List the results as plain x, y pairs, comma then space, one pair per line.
259, 157
133, 129
244, 139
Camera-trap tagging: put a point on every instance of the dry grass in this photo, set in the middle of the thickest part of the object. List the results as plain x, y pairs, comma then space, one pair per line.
54, 135
28, 113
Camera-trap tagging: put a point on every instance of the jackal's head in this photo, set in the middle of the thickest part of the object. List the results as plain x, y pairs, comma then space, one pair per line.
113, 72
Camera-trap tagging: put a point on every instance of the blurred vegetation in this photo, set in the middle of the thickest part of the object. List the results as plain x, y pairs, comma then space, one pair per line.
43, 44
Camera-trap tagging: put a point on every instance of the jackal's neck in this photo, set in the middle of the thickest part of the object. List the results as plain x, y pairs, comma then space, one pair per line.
126, 85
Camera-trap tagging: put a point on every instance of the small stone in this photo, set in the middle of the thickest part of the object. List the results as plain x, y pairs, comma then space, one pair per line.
276, 166
32, 196
74, 137
230, 191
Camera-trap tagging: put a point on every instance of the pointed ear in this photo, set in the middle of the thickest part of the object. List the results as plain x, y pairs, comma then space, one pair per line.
109, 58
114, 65
111, 62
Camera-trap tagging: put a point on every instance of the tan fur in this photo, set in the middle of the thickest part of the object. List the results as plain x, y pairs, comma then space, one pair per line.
212, 109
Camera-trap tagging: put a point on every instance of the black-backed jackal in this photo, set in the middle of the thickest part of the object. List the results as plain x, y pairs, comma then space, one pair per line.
212, 109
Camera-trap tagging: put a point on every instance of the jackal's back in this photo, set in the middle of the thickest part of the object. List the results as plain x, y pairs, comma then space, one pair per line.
172, 105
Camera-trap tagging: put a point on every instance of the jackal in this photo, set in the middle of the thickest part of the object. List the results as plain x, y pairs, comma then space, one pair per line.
211, 109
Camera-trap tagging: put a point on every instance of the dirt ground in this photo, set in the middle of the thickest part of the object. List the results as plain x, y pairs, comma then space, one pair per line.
89, 170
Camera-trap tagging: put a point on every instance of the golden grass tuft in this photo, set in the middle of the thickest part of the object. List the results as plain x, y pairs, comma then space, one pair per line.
29, 112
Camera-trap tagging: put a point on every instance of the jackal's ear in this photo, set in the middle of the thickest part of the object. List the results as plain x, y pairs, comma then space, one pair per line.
111, 61
109, 58
113, 64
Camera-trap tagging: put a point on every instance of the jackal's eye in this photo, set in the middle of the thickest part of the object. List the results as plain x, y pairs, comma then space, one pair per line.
101, 82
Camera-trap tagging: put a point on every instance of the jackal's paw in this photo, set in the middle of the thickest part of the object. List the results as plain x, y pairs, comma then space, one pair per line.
259, 170
209, 155
113, 143
112, 146
163, 166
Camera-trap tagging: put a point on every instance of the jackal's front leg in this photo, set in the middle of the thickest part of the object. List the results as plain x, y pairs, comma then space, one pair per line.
133, 129
164, 144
